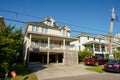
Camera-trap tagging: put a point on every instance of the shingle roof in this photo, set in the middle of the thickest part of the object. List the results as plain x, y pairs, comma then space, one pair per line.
41, 24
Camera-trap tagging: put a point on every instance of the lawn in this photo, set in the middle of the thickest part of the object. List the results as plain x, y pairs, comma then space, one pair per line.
23, 73
98, 69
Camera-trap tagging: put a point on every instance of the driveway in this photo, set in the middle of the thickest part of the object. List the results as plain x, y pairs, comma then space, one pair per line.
49, 71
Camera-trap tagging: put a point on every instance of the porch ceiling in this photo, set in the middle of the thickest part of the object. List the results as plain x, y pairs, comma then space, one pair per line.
52, 37
94, 42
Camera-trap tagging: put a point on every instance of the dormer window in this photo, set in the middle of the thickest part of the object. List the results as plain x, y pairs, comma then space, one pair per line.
49, 22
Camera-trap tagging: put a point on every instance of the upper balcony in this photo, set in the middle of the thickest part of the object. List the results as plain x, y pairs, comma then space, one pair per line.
52, 47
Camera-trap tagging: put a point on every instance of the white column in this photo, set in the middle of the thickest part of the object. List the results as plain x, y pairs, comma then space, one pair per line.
64, 43
48, 57
106, 49
93, 49
100, 48
56, 58
48, 42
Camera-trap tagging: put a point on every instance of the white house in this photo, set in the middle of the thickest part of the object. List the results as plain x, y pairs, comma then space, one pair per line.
46, 42
97, 44
116, 42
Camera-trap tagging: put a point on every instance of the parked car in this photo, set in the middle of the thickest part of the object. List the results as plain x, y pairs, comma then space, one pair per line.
94, 60
112, 65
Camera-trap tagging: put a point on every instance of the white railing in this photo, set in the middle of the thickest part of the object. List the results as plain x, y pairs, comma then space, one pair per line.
52, 46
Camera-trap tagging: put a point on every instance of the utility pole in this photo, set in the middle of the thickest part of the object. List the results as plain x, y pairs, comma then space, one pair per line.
110, 34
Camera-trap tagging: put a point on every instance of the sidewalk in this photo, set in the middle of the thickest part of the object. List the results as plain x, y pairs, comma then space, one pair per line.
60, 70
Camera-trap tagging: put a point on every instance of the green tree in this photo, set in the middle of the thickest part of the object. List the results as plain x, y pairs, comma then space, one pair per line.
117, 55
11, 42
84, 53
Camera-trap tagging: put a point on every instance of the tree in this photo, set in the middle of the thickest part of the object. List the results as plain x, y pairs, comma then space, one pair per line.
84, 53
11, 42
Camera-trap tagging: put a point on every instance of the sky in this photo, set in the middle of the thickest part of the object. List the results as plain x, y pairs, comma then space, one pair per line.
89, 16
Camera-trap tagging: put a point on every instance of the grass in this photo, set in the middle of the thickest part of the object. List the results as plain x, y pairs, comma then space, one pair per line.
23, 73
98, 69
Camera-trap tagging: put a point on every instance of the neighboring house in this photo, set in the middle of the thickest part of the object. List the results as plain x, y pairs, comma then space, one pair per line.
116, 43
97, 44
2, 23
46, 42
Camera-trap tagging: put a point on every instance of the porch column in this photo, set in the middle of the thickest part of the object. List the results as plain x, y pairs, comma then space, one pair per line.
48, 42
64, 43
100, 48
106, 49
93, 49
48, 57
56, 58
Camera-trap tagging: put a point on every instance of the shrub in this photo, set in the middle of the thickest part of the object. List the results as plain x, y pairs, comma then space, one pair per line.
117, 55
83, 54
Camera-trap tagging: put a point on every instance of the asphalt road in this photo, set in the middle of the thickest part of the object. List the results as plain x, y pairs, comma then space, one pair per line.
98, 76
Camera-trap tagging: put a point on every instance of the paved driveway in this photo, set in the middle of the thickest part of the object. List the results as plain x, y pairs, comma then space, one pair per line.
45, 72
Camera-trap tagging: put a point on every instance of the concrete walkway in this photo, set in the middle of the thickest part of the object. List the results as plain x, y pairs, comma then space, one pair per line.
45, 72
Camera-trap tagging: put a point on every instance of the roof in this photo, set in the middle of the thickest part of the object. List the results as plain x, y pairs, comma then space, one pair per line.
41, 24
99, 36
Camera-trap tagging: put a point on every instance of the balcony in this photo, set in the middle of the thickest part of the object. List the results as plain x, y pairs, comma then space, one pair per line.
43, 46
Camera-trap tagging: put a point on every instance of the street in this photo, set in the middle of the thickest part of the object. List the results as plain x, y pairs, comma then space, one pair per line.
97, 76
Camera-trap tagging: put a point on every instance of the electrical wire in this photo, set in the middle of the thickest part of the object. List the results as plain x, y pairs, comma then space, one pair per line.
71, 30
17, 13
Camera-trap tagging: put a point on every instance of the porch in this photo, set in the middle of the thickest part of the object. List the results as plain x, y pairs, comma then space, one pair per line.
97, 47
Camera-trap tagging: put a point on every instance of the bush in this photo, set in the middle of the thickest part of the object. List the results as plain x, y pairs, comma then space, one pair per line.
83, 54
117, 55
5, 66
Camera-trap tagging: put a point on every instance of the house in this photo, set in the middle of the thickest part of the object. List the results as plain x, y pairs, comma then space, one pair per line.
97, 44
116, 42
46, 42
2, 23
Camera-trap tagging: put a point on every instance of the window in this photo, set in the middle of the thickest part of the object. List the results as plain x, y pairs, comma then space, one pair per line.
94, 39
99, 39
79, 40
44, 30
49, 22
33, 28
64, 32
37, 29
88, 37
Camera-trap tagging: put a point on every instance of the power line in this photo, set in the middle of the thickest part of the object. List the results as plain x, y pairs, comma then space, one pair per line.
17, 13
84, 27
15, 20
27, 22
71, 30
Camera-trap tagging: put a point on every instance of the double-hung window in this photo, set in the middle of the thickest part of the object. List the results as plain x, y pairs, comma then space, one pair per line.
33, 28
44, 30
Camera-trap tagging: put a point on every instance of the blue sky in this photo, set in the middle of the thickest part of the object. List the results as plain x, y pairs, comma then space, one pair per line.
92, 16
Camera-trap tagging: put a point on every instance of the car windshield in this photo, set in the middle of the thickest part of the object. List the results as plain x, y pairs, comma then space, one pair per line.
113, 62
